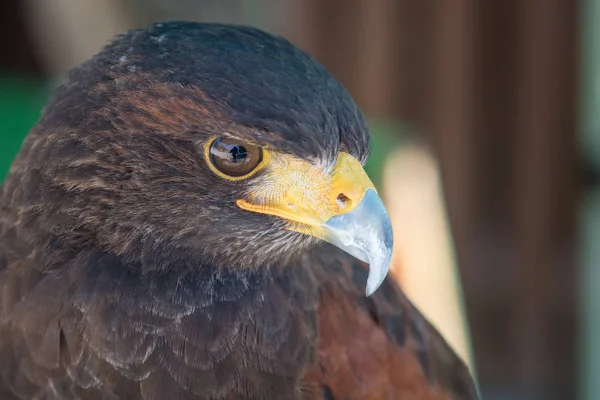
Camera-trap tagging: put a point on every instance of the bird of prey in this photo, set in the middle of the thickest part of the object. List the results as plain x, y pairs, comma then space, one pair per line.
190, 219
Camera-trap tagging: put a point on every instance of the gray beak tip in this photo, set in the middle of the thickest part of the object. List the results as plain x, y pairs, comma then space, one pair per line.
365, 233
370, 289
379, 265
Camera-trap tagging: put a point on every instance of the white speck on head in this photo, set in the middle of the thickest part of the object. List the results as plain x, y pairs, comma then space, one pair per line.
325, 164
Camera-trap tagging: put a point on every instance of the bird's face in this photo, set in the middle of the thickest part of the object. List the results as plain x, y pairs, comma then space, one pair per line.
246, 159
334, 202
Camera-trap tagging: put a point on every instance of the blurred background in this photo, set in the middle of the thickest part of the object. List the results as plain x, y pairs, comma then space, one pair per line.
486, 147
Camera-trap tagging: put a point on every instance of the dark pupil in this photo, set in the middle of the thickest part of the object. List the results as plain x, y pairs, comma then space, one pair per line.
238, 154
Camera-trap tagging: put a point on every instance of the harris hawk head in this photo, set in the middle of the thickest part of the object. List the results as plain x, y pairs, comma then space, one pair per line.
227, 143
164, 230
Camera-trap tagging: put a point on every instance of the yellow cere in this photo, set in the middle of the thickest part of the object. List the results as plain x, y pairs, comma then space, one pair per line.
304, 193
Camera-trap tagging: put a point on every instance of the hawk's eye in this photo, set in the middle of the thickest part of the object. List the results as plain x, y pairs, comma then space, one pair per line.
234, 158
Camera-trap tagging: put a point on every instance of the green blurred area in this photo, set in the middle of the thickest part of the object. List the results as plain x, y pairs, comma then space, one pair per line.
589, 213
22, 98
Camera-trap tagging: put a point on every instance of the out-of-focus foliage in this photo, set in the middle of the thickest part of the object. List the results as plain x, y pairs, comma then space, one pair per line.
21, 99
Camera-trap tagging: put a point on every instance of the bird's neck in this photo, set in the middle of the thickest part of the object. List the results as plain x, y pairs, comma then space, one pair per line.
268, 296
263, 318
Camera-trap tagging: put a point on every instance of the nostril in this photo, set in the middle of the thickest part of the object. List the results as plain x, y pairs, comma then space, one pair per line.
343, 201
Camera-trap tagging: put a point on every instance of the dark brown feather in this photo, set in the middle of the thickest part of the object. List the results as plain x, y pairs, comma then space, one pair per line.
122, 335
379, 347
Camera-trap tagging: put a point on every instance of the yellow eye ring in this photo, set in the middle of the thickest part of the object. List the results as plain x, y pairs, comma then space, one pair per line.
218, 152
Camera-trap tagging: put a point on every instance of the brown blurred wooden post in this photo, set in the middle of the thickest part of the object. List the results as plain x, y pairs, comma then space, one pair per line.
545, 187
451, 122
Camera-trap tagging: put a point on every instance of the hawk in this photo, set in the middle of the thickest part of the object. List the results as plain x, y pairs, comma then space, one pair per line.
190, 219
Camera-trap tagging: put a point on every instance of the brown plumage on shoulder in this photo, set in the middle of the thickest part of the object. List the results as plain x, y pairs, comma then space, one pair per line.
190, 219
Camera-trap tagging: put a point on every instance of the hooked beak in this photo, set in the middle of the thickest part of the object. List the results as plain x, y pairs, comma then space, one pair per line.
341, 207
365, 233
